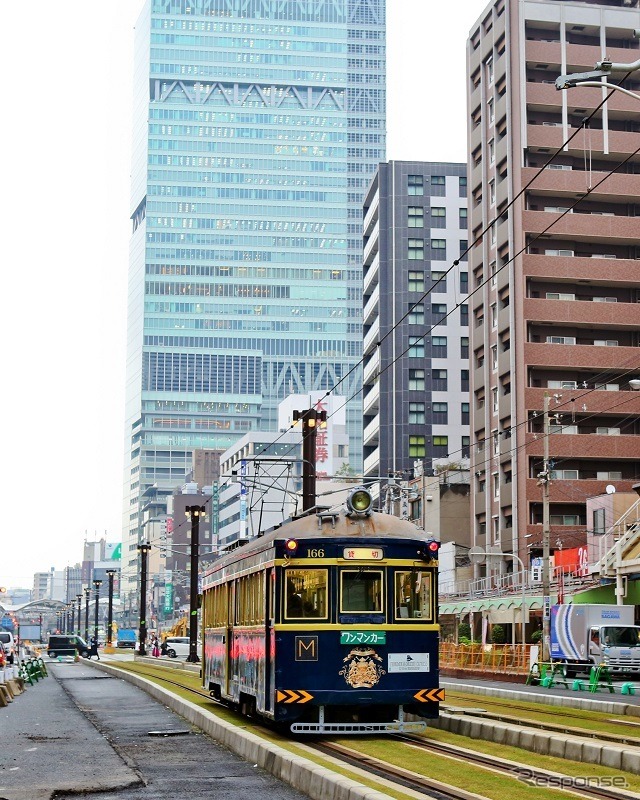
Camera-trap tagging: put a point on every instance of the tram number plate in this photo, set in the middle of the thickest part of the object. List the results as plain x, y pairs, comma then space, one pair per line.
363, 637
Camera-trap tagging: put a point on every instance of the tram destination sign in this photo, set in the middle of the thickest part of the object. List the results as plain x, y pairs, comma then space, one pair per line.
363, 637
363, 554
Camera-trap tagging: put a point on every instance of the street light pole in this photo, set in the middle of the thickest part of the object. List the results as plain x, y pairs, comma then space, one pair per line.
143, 548
546, 531
97, 585
111, 573
72, 606
194, 512
87, 592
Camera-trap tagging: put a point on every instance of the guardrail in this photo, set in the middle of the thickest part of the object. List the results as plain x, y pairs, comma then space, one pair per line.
513, 658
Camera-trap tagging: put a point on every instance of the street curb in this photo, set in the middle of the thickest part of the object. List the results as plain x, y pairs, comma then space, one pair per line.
317, 782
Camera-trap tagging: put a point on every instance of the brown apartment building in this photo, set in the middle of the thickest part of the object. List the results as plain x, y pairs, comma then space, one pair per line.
552, 309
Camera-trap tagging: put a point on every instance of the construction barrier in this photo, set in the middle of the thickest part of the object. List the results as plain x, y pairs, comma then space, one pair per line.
501, 658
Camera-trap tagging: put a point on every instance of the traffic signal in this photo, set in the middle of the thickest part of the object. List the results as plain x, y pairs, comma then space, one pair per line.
431, 550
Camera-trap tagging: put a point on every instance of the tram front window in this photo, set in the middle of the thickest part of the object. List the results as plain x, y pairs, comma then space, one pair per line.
305, 594
413, 595
361, 591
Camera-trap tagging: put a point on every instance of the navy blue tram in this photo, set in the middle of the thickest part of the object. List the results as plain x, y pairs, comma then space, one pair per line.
327, 624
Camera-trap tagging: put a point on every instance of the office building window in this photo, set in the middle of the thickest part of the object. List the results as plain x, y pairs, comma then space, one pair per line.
416, 281
464, 413
464, 244
437, 180
598, 521
416, 347
415, 185
466, 446
417, 447
439, 347
441, 442
464, 380
464, 282
464, 347
439, 280
439, 377
416, 413
416, 380
416, 249
438, 244
438, 218
464, 314
416, 217
462, 222
416, 314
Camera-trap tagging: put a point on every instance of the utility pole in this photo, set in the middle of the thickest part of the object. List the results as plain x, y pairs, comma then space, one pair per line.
194, 513
311, 418
544, 480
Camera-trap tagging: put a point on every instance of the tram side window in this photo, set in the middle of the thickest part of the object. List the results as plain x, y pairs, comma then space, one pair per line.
361, 591
413, 595
305, 594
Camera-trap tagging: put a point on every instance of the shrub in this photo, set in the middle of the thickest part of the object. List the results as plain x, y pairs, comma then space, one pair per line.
497, 634
536, 636
464, 631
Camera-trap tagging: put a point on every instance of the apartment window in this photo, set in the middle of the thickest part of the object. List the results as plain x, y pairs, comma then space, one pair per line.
439, 347
438, 244
439, 380
416, 347
416, 249
438, 312
492, 193
441, 441
494, 400
464, 347
494, 316
416, 281
464, 380
495, 479
417, 447
464, 413
464, 314
464, 246
438, 218
466, 446
440, 413
416, 413
415, 185
464, 282
494, 356
437, 180
599, 521
493, 269
491, 111
489, 69
605, 342
462, 218
439, 281
561, 340
416, 314
416, 217
560, 296
492, 151
416, 380
462, 185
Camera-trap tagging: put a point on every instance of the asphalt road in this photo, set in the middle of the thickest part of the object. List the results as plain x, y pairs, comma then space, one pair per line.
81, 733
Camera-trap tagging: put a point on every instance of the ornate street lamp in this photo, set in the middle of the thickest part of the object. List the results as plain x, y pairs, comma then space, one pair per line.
87, 592
111, 573
97, 585
195, 513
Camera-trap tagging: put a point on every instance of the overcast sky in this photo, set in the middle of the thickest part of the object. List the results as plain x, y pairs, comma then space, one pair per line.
64, 194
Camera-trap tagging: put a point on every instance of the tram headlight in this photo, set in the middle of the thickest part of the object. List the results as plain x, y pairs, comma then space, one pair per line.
291, 547
359, 502
431, 550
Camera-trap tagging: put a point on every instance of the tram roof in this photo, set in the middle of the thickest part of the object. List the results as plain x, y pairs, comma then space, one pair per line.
328, 524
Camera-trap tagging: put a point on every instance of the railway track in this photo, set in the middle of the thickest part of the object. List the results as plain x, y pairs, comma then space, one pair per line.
430, 787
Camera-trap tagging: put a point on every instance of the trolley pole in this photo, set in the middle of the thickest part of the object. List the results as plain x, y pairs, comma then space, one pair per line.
310, 419
195, 513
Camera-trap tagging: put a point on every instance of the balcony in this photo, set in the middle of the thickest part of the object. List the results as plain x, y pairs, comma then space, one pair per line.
551, 138
620, 187
580, 57
546, 97
599, 401
371, 215
371, 368
586, 270
586, 445
575, 356
584, 313
372, 337
371, 433
371, 306
371, 274
570, 489
371, 247
372, 463
371, 400
615, 230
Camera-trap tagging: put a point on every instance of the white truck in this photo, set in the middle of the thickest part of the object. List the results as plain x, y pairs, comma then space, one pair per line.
586, 635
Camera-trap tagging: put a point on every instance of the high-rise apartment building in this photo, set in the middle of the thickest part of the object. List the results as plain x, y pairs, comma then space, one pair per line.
415, 319
553, 295
257, 127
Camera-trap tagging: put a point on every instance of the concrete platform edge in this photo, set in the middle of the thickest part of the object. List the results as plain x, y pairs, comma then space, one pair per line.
319, 783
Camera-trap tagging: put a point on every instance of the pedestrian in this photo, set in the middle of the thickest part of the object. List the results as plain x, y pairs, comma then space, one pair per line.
164, 648
156, 647
94, 648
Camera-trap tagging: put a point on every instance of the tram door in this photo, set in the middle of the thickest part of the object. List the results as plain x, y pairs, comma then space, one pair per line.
230, 666
269, 618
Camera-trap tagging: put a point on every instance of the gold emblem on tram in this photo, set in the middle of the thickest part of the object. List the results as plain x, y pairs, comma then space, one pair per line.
360, 669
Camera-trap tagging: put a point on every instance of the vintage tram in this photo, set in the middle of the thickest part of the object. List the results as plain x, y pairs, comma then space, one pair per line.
327, 624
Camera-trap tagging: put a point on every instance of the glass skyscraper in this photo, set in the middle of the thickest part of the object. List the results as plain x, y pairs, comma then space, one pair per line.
258, 125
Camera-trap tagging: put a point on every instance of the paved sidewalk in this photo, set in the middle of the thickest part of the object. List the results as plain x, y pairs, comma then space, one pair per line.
47, 744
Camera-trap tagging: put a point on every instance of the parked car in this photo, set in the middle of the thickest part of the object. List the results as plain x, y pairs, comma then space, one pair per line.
3, 656
178, 646
6, 637
63, 645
